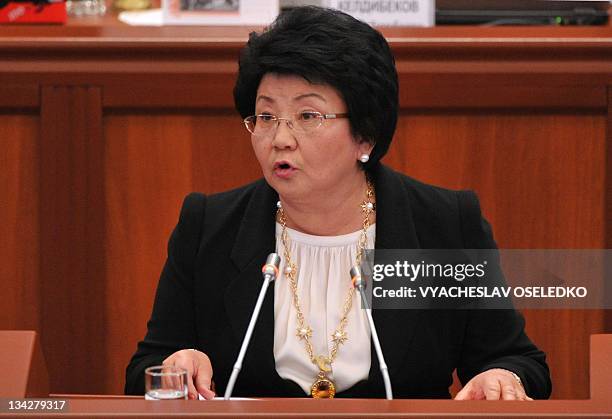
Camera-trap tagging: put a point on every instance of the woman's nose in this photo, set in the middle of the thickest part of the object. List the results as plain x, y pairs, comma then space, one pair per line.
284, 137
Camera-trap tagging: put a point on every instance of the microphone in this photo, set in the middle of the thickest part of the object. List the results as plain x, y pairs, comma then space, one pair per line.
359, 282
270, 272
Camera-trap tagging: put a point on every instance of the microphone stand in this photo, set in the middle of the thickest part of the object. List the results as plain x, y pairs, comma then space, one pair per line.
270, 272
359, 282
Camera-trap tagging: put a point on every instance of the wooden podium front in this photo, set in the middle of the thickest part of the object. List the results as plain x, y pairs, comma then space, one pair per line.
336, 408
598, 406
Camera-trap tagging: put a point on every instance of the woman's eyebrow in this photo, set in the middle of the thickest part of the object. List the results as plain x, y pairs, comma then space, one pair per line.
264, 98
295, 99
308, 95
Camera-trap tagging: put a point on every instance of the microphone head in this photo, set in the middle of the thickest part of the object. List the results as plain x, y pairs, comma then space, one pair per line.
358, 280
272, 264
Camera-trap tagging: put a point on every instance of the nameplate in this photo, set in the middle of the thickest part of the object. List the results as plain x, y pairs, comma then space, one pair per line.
389, 12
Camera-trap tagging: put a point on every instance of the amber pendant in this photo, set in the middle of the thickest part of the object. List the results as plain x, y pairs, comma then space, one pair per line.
323, 388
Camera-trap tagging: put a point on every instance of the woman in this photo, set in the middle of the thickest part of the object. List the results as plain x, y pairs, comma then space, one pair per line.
319, 94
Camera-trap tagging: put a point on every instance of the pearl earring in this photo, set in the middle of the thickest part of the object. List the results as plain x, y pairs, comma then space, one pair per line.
364, 158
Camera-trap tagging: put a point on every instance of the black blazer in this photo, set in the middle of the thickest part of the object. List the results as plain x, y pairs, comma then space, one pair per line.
212, 277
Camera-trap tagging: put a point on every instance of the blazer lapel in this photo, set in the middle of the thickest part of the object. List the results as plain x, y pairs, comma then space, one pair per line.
255, 240
395, 229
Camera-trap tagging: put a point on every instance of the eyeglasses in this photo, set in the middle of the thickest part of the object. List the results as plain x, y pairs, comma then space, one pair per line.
303, 123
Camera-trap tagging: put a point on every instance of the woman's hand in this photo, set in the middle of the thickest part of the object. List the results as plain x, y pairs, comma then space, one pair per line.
199, 371
493, 384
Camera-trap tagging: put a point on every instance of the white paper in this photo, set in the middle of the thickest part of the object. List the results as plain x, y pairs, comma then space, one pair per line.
152, 17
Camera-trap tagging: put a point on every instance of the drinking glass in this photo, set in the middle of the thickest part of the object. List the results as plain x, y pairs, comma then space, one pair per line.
165, 383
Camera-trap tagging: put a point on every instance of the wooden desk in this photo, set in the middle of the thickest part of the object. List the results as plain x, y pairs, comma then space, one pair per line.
338, 408
105, 127
598, 406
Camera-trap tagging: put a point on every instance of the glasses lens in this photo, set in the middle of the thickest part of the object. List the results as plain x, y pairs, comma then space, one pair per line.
260, 124
308, 121
264, 123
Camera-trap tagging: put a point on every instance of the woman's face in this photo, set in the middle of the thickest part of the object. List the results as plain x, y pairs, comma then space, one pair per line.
299, 166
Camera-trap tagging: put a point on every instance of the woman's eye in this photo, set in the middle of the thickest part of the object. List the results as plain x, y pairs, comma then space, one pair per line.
265, 117
309, 116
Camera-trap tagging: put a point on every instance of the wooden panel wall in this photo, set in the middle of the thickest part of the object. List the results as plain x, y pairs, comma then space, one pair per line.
99, 144
71, 230
19, 244
536, 174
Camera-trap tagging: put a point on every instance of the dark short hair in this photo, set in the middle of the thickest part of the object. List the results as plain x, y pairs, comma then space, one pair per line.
329, 47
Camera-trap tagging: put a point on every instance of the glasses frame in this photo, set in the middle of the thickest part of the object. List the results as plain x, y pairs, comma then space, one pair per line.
290, 121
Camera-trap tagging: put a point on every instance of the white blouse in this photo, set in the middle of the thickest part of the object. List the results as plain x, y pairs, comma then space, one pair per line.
323, 282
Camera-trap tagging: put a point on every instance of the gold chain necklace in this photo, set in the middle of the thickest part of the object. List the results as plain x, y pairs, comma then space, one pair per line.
323, 387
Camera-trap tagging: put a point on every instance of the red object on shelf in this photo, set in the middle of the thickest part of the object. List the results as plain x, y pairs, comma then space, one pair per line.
33, 12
